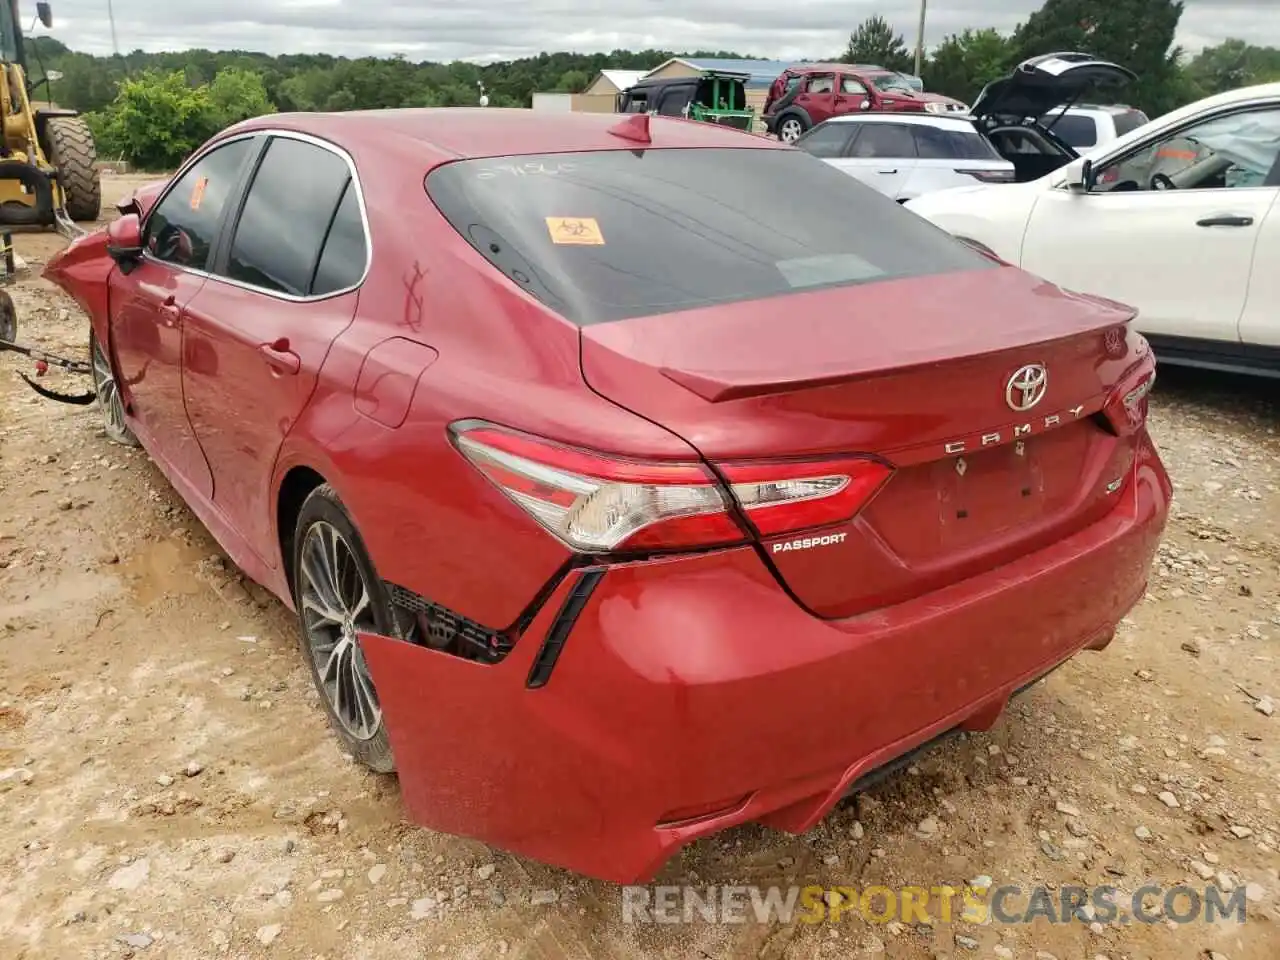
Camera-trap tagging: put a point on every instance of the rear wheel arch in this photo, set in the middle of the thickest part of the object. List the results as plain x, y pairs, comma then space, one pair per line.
297, 484
794, 113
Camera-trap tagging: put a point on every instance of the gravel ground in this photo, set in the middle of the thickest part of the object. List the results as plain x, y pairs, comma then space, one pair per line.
168, 787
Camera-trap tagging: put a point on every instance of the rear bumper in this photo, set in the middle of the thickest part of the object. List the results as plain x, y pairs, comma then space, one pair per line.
693, 694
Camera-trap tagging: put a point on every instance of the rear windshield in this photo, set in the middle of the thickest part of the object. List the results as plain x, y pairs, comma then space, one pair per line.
614, 234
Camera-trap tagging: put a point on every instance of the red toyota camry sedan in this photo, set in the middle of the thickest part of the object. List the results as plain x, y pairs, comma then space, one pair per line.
624, 492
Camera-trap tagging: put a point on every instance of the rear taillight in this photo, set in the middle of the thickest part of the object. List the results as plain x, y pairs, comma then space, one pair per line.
596, 503
995, 175
1126, 409
788, 497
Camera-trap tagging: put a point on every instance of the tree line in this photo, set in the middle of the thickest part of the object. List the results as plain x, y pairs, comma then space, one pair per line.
154, 108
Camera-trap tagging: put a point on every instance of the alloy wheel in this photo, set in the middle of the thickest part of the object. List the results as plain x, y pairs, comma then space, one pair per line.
335, 606
790, 130
109, 399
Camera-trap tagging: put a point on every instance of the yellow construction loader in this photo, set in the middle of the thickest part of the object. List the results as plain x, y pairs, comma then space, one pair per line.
48, 162
48, 177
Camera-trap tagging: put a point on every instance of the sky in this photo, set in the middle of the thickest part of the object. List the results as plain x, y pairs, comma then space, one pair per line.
508, 29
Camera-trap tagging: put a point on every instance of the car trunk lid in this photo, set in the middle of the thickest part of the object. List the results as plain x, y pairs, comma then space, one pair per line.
917, 374
1041, 83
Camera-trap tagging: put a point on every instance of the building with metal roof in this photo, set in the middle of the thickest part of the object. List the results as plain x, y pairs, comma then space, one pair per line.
762, 73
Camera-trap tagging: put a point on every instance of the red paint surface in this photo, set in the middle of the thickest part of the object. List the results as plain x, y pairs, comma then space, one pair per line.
689, 681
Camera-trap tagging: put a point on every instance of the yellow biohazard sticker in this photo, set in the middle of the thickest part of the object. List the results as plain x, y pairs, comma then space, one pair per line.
579, 230
197, 192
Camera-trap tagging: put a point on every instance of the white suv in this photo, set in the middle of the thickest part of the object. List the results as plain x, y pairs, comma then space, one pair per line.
905, 155
1087, 125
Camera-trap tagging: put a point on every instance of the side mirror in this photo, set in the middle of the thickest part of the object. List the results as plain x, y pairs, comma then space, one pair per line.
124, 240
865, 104
44, 10
1080, 175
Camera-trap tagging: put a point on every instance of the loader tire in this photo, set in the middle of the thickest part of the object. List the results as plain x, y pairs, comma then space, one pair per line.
74, 156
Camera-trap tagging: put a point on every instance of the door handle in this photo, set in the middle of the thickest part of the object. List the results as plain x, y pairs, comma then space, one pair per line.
894, 170
279, 357
169, 311
1226, 220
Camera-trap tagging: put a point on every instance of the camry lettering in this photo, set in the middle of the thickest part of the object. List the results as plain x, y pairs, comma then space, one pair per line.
808, 543
1013, 433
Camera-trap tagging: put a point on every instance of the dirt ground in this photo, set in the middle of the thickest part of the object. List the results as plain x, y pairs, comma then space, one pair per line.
168, 787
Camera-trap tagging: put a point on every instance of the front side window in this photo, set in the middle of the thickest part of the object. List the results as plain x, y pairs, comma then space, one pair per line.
607, 235
853, 87
1235, 151
888, 140
286, 216
825, 140
183, 226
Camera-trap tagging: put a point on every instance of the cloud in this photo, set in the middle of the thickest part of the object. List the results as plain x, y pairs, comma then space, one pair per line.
508, 29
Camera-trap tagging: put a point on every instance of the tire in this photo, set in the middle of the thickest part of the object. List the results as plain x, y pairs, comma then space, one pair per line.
790, 127
8, 318
328, 547
74, 156
110, 403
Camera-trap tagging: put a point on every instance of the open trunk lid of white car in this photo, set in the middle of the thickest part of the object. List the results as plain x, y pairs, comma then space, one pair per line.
1041, 83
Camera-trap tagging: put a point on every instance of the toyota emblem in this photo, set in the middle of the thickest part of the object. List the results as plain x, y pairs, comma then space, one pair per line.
1027, 387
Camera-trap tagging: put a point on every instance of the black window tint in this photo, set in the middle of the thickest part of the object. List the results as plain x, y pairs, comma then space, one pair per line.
936, 143
605, 235
884, 140
676, 101
825, 140
183, 226
1129, 120
286, 215
1072, 128
343, 258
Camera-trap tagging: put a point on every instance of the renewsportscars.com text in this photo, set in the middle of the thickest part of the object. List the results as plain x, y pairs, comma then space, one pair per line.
1005, 904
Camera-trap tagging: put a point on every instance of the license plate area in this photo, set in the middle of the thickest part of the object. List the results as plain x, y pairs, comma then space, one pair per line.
991, 490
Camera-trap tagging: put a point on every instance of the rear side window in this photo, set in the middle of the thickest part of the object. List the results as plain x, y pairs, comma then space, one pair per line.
936, 143
612, 234
182, 228
1129, 120
675, 102
286, 216
826, 140
1074, 129
346, 250
890, 140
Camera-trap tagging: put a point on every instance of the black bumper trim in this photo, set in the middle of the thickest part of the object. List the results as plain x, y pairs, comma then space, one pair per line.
545, 662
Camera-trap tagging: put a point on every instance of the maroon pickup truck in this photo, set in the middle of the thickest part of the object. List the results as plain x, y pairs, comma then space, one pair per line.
804, 96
